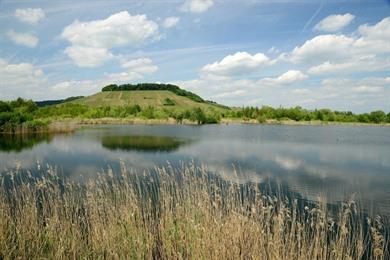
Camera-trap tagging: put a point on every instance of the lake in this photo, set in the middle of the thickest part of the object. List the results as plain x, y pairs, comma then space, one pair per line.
332, 162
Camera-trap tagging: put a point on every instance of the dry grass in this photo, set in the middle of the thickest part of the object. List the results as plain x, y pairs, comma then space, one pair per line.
169, 213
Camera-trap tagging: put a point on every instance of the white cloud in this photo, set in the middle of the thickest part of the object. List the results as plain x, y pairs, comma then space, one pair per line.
74, 88
357, 64
334, 23
123, 77
136, 69
289, 77
375, 38
88, 56
365, 50
231, 94
368, 89
273, 50
25, 39
238, 63
141, 65
196, 6
19, 78
301, 91
359, 95
30, 15
170, 22
322, 48
118, 30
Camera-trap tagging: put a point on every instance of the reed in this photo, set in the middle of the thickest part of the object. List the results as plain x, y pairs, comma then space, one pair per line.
173, 213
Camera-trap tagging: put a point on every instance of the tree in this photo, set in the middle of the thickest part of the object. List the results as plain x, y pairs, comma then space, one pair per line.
199, 116
378, 116
5, 107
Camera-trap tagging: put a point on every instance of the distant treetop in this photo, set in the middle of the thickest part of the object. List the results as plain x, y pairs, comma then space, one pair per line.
154, 86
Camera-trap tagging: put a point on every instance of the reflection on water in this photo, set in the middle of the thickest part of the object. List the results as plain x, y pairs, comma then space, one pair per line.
333, 162
143, 143
18, 143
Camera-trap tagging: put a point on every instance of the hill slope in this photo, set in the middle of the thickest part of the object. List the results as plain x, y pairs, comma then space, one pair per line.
143, 98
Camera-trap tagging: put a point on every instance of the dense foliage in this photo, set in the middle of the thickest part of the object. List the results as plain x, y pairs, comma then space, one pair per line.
300, 114
154, 86
20, 114
71, 110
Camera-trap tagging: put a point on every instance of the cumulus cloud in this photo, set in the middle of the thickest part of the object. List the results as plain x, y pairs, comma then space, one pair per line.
88, 56
74, 88
170, 22
123, 77
289, 77
364, 50
374, 38
322, 48
25, 39
136, 69
357, 64
334, 23
301, 91
196, 6
238, 63
368, 89
359, 95
141, 65
118, 30
30, 15
19, 78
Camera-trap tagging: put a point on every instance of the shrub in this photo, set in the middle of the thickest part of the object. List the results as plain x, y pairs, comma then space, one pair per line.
261, 119
169, 102
148, 112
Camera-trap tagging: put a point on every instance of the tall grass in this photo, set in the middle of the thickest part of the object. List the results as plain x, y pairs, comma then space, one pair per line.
173, 213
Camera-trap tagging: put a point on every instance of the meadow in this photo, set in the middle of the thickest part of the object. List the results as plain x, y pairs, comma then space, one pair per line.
175, 213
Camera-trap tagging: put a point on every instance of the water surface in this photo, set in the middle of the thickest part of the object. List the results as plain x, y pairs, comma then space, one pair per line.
333, 162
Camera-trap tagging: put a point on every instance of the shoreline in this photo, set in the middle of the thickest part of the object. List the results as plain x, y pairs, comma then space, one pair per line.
224, 121
71, 125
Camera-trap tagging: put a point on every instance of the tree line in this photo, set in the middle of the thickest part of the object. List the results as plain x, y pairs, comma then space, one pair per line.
25, 114
301, 114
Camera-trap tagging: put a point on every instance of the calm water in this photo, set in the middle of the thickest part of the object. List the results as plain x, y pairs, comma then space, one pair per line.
334, 162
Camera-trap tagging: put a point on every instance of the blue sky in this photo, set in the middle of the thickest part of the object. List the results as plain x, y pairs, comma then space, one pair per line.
313, 54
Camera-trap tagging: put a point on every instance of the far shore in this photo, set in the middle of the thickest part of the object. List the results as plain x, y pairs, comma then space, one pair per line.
224, 121
71, 125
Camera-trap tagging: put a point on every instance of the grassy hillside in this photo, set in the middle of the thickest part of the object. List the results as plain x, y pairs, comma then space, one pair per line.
143, 98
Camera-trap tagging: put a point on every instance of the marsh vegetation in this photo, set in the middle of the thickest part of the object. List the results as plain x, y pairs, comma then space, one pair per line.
174, 213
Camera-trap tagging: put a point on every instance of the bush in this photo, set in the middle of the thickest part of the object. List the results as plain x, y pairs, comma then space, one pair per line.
169, 102
148, 112
133, 110
378, 117
261, 119
5, 107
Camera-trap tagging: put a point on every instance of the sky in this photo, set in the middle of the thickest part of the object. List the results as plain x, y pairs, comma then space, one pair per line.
308, 53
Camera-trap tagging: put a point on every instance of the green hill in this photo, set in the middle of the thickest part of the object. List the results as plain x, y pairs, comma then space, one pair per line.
144, 98
137, 101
